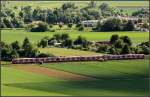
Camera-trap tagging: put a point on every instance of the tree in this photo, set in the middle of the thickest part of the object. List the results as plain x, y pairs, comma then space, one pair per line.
15, 45
70, 25
14, 54
38, 27
60, 25
126, 40
67, 43
112, 24
26, 44
129, 26
64, 36
102, 49
119, 44
104, 6
43, 43
125, 49
114, 38
92, 4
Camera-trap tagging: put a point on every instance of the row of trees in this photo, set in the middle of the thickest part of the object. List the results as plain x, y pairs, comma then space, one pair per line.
119, 45
15, 50
123, 45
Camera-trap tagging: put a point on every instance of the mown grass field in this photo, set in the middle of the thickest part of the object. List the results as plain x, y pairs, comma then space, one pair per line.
66, 52
18, 82
54, 4
13, 35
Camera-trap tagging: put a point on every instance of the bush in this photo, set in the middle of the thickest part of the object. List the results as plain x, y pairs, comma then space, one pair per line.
125, 49
15, 45
102, 49
43, 43
38, 26
112, 24
126, 40
114, 38
81, 28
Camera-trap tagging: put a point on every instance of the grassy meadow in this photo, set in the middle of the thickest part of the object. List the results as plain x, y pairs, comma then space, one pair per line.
12, 35
54, 4
66, 52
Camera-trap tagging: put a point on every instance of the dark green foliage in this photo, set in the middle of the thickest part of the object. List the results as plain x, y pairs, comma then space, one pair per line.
26, 44
126, 40
102, 49
112, 24
15, 45
125, 49
119, 44
130, 26
114, 38
70, 25
43, 43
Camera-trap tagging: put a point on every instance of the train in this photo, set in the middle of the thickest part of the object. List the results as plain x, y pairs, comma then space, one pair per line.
76, 58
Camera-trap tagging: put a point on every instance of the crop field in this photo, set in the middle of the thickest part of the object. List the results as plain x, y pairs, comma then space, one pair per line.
111, 78
12, 35
66, 52
54, 4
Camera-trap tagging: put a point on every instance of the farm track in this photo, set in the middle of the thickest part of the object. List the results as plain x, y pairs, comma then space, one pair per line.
52, 72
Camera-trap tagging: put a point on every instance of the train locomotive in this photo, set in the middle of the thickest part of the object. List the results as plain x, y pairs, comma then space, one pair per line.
76, 58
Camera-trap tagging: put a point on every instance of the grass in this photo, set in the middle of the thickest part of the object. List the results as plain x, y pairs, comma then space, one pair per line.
13, 35
16, 82
106, 70
66, 52
80, 4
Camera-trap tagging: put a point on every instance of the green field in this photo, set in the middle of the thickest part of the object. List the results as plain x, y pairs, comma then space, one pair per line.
54, 4
131, 80
66, 52
13, 35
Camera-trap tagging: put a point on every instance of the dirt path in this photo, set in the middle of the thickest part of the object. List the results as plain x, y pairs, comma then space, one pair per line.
52, 72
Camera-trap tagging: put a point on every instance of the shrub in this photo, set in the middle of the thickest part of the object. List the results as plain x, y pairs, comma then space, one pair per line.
126, 40
15, 45
125, 49
112, 24
114, 38
102, 49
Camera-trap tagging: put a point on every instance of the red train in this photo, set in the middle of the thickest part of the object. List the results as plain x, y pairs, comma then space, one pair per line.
76, 58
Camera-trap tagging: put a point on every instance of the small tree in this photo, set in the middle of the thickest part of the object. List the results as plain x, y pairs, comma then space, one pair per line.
15, 45
70, 25
114, 38
14, 54
119, 44
64, 36
26, 44
126, 40
43, 43
60, 25
102, 49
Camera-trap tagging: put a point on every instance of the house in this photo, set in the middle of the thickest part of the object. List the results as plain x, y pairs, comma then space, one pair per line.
89, 23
